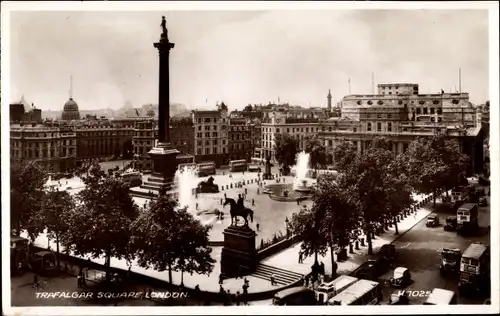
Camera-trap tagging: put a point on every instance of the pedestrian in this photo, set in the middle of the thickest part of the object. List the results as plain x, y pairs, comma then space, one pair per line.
298, 202
245, 294
221, 201
245, 191
229, 298
237, 298
273, 279
300, 256
253, 202
36, 283
258, 226
257, 190
197, 291
196, 205
221, 279
225, 196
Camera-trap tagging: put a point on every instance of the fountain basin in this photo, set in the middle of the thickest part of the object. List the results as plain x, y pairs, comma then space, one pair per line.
284, 192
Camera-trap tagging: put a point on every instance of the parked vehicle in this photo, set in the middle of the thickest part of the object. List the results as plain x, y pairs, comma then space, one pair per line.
467, 218
388, 253
451, 223
441, 297
474, 269
328, 290
450, 261
363, 292
45, 263
295, 296
401, 277
432, 221
371, 269
483, 201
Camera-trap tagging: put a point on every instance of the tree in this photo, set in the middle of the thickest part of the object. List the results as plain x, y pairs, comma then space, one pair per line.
285, 150
307, 224
435, 163
194, 250
248, 108
57, 206
170, 239
365, 177
317, 152
27, 180
338, 211
100, 224
398, 192
343, 154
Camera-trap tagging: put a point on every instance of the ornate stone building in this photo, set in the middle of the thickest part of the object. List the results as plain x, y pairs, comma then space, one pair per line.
399, 113
53, 146
301, 127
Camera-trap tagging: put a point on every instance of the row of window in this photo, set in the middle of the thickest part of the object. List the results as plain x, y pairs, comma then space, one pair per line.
42, 154
431, 111
210, 120
208, 142
210, 151
207, 134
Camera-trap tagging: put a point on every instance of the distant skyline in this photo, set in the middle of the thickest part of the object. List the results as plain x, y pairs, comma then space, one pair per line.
243, 57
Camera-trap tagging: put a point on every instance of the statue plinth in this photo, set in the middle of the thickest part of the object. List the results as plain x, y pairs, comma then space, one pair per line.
239, 256
164, 158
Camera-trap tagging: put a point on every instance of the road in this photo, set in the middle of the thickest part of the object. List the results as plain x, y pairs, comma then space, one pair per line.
419, 251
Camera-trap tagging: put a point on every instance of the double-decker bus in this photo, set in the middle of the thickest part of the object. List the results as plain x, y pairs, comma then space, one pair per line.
238, 165
474, 268
467, 218
189, 165
206, 168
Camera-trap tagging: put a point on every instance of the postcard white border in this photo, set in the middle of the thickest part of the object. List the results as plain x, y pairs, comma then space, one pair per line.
8, 7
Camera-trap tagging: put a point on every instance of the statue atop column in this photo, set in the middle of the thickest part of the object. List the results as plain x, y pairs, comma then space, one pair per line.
164, 27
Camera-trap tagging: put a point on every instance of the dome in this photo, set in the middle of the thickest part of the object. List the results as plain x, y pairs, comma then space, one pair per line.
70, 111
70, 105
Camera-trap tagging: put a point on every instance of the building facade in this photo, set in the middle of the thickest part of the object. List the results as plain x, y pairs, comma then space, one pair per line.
145, 134
182, 134
52, 146
399, 113
211, 136
240, 141
302, 128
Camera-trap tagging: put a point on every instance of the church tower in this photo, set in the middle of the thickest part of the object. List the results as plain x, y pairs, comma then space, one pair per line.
329, 98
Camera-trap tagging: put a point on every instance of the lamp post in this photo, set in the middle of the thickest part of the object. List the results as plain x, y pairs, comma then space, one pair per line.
287, 222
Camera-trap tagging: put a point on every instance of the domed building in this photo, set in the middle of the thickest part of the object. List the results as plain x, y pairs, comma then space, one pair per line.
70, 111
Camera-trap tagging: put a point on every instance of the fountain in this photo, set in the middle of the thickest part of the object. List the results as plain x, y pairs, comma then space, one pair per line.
301, 170
296, 191
187, 181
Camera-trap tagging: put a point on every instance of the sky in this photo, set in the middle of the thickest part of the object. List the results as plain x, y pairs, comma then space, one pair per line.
243, 57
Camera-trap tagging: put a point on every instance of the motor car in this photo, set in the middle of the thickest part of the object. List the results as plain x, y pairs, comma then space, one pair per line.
401, 277
388, 253
432, 221
483, 201
451, 223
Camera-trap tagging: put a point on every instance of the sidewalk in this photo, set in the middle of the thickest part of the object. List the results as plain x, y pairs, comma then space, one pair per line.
288, 259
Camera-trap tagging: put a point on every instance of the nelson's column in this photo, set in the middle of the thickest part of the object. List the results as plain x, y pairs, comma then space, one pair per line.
163, 155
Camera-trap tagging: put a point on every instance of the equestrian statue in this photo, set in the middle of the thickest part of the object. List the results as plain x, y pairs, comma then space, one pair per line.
238, 209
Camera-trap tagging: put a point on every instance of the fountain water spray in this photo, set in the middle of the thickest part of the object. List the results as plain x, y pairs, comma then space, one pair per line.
301, 169
186, 180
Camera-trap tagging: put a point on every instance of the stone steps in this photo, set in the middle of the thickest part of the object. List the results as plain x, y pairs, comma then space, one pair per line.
282, 276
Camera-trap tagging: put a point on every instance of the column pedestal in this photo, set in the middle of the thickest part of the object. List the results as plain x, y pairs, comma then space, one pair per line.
239, 256
164, 159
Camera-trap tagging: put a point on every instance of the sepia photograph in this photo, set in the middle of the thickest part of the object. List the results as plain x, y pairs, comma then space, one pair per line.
249, 157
